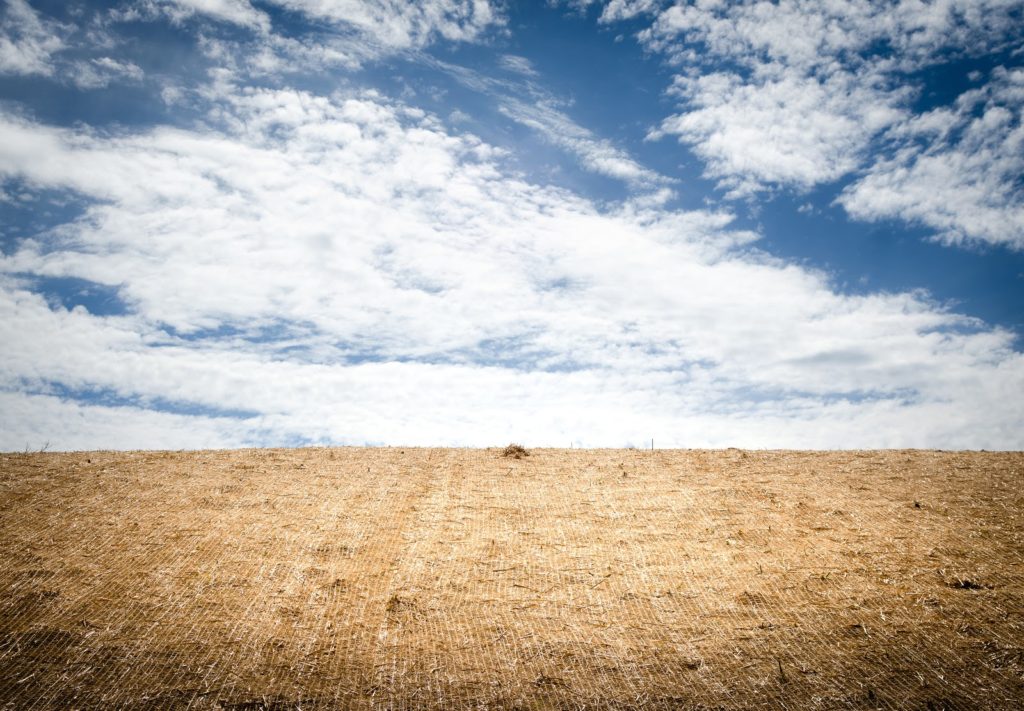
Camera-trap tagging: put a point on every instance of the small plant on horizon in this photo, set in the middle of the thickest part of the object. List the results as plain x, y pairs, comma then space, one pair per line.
515, 450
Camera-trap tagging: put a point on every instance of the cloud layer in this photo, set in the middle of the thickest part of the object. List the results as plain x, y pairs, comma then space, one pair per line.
346, 268
294, 262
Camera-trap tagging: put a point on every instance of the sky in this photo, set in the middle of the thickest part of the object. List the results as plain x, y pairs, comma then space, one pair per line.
234, 223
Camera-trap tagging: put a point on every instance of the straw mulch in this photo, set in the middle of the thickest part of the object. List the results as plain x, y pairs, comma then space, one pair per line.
418, 578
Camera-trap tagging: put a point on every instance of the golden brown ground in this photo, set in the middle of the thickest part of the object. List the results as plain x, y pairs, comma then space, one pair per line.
422, 578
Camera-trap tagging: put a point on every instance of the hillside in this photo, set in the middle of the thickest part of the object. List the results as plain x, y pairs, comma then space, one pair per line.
444, 578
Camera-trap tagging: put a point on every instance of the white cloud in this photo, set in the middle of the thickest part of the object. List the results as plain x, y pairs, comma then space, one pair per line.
538, 110
38, 422
614, 10
522, 100
344, 268
100, 72
239, 12
814, 90
626, 9
517, 64
958, 170
421, 403
342, 34
781, 129
275, 56
370, 30
389, 25
31, 44
808, 35
595, 154
405, 25
27, 42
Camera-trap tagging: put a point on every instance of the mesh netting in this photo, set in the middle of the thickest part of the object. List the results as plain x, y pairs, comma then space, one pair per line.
416, 578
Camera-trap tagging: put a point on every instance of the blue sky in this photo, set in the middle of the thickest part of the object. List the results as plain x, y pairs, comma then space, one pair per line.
467, 222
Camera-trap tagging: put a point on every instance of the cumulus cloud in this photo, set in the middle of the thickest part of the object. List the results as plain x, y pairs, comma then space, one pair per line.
813, 92
346, 268
784, 130
627, 9
812, 36
957, 169
808, 70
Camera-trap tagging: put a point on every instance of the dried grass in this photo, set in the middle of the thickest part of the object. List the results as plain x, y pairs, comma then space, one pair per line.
516, 451
374, 578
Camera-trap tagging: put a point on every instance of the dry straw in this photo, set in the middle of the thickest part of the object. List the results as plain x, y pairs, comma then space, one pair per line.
516, 451
418, 579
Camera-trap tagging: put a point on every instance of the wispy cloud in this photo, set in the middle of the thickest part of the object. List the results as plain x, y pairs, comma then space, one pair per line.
595, 154
519, 65
100, 72
534, 107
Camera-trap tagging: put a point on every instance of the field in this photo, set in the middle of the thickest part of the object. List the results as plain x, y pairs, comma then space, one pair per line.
445, 578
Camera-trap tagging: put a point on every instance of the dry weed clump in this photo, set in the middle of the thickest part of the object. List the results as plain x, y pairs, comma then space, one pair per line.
517, 451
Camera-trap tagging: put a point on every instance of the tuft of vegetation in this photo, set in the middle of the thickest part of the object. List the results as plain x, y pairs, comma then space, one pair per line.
517, 451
